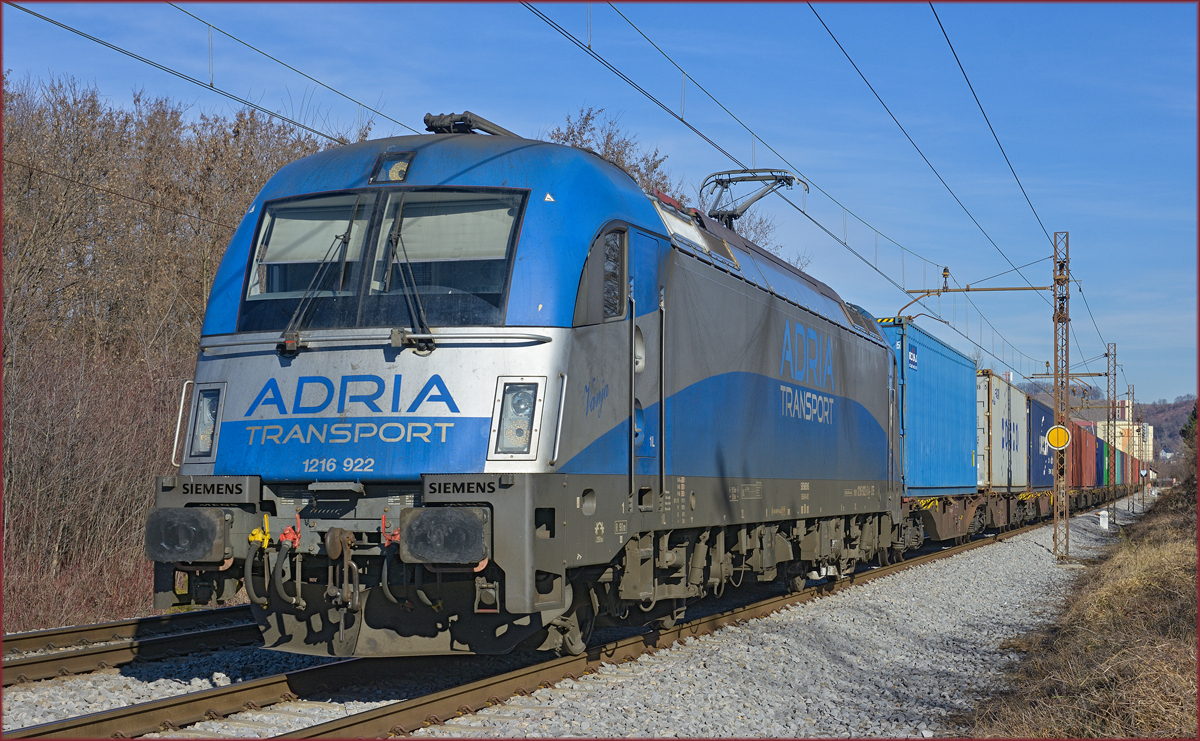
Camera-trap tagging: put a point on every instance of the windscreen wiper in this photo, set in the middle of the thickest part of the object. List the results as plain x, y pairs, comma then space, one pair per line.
291, 333
412, 298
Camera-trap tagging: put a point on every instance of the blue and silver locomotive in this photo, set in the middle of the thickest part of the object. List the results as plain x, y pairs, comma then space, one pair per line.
468, 393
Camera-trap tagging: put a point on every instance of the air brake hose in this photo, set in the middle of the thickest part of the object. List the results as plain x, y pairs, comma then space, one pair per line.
261, 536
419, 583
285, 547
383, 580
350, 595
298, 571
248, 577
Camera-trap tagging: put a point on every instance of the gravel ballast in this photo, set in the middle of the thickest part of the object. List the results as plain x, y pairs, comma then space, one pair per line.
34, 703
899, 656
894, 657
47, 701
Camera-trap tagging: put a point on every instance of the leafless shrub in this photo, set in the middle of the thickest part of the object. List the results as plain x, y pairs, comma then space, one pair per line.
106, 277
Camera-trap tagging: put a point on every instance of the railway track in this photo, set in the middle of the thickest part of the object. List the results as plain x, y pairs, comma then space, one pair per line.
45, 654
404, 717
280, 691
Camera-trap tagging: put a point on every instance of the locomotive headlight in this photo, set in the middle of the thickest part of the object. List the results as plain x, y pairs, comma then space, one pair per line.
516, 418
205, 427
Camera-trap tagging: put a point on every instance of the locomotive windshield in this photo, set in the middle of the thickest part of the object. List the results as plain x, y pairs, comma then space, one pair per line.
356, 262
451, 248
307, 246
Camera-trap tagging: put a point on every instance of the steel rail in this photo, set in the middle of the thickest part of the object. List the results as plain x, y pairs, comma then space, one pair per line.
180, 710
122, 630
83, 660
405, 717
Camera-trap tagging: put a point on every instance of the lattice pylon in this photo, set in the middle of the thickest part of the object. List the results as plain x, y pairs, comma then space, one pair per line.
1062, 397
1133, 441
1110, 460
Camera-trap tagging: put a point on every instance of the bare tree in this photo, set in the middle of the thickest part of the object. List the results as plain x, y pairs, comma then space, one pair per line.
593, 129
602, 134
115, 220
976, 355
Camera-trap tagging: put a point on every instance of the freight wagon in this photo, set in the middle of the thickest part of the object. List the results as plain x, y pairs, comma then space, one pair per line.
1040, 454
1002, 425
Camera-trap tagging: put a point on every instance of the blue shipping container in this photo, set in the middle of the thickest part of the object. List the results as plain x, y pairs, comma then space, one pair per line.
1041, 465
937, 411
1103, 472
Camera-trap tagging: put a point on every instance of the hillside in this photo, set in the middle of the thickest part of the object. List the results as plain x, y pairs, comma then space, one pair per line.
1167, 417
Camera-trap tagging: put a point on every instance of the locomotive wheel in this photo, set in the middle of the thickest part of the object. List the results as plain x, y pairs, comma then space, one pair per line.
883, 557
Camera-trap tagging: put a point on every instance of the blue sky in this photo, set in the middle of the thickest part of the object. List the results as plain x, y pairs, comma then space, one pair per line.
1095, 105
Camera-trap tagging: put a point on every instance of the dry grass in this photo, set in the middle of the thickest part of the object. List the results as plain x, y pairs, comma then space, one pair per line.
1121, 660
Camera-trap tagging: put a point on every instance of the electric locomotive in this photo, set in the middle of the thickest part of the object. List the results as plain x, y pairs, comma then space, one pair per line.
467, 392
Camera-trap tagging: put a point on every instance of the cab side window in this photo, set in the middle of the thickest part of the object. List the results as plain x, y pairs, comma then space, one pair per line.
604, 284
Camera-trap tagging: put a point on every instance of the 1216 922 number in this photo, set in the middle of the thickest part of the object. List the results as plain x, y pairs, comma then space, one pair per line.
327, 465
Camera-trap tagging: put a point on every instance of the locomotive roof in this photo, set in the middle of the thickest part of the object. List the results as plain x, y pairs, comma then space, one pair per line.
572, 192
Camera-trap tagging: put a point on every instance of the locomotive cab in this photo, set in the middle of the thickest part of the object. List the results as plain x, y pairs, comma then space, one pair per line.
382, 379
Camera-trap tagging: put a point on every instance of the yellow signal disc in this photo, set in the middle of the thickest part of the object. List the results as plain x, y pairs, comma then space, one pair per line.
1058, 437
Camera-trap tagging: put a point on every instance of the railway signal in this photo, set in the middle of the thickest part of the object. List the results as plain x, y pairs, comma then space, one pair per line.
1058, 437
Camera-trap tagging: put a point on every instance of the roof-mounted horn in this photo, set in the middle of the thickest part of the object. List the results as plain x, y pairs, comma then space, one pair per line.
719, 184
464, 123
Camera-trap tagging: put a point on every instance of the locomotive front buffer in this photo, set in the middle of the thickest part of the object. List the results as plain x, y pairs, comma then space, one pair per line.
342, 568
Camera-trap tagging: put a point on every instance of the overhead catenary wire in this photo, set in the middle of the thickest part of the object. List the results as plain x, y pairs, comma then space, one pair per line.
923, 157
570, 37
248, 45
582, 46
1011, 169
989, 123
181, 75
935, 314
754, 136
841, 241
1006, 272
115, 193
1079, 285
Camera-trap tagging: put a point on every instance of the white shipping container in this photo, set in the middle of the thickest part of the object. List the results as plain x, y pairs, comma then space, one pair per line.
1002, 425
